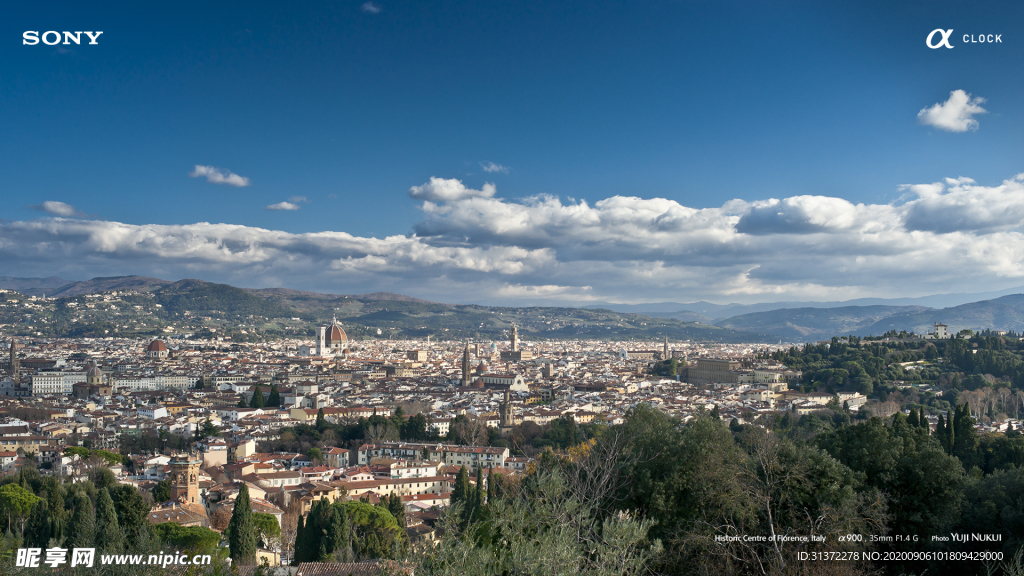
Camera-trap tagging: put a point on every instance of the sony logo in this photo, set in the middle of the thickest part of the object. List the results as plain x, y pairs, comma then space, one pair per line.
51, 37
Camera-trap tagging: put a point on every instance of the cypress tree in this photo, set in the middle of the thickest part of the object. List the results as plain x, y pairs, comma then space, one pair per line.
338, 533
460, 493
912, 419
490, 484
109, 537
241, 402
320, 421
242, 542
478, 499
38, 529
81, 531
299, 548
257, 398
275, 397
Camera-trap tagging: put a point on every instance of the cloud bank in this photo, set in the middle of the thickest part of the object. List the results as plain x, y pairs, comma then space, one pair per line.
218, 176
955, 114
940, 237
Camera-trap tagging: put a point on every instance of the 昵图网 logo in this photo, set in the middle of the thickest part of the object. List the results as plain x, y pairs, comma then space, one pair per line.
939, 38
52, 37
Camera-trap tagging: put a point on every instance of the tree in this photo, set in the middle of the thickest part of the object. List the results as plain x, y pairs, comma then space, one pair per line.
242, 541
257, 398
38, 529
544, 530
460, 493
109, 536
81, 531
275, 397
315, 456
300, 554
377, 533
241, 402
162, 491
102, 477
132, 514
188, 538
16, 503
321, 422
267, 528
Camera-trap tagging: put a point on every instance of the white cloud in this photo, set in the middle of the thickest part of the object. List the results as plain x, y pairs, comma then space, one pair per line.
218, 176
283, 206
449, 190
492, 167
371, 8
59, 209
947, 236
955, 114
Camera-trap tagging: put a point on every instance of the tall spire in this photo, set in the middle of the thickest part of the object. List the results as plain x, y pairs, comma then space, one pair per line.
514, 338
15, 364
465, 366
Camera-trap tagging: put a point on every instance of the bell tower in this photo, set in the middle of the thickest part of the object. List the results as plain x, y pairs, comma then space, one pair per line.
185, 478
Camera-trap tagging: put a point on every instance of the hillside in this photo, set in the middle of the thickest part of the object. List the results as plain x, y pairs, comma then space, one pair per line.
811, 324
96, 285
150, 306
33, 286
1005, 313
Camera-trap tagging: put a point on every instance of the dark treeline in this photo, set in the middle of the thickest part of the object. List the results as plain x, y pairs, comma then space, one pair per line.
679, 498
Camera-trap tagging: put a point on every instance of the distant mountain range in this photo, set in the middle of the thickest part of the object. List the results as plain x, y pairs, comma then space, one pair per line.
790, 322
191, 306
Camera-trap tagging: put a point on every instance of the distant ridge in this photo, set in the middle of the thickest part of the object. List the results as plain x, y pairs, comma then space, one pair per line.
298, 294
137, 283
33, 286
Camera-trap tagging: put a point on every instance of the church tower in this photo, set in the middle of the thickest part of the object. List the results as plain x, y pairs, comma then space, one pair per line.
185, 478
15, 363
664, 350
514, 338
505, 415
466, 374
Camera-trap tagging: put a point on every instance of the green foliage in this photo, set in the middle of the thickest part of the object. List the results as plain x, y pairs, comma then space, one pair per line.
274, 399
315, 456
547, 530
102, 478
257, 398
376, 531
132, 512
109, 534
82, 529
242, 541
923, 483
162, 491
191, 539
16, 503
38, 529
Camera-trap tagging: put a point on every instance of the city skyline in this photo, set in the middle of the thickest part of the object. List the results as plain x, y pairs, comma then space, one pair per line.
518, 155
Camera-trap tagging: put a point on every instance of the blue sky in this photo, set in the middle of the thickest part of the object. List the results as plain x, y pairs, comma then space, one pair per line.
711, 106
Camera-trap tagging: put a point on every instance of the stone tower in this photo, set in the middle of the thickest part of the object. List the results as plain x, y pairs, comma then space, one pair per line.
514, 338
466, 374
664, 350
15, 363
185, 478
505, 414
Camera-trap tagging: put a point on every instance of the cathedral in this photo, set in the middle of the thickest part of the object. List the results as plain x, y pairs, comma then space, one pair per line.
332, 340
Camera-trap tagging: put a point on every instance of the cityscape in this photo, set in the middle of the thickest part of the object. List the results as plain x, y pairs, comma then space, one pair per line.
449, 287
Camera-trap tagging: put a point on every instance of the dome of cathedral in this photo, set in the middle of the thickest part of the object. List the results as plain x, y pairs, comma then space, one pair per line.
157, 346
94, 371
335, 334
